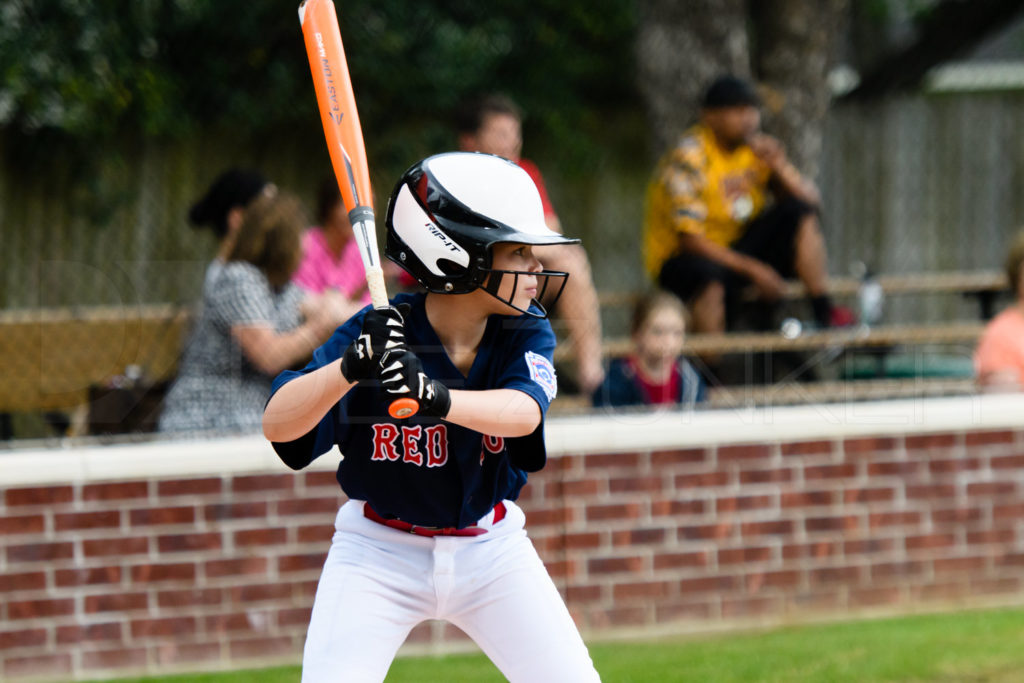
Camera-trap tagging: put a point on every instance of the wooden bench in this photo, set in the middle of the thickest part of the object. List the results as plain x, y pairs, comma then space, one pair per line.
983, 285
53, 356
837, 338
986, 285
799, 393
951, 282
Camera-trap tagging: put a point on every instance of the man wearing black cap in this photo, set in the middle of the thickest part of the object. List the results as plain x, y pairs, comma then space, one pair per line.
726, 209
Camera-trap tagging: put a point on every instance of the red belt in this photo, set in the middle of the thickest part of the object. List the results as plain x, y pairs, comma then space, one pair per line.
431, 531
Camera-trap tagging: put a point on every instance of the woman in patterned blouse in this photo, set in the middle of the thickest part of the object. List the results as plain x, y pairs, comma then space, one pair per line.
251, 325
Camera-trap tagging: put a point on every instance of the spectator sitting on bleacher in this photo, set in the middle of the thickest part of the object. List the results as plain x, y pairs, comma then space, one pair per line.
250, 326
711, 226
654, 373
330, 255
999, 358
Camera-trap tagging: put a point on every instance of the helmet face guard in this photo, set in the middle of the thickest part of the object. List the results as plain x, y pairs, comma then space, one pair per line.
449, 210
544, 281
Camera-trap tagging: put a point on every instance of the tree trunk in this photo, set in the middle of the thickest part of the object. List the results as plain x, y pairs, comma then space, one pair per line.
794, 52
681, 47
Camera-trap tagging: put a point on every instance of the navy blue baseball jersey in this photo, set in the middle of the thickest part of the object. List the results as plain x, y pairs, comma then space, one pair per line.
423, 470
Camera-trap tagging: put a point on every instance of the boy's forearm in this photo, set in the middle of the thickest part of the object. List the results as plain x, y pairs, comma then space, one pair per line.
299, 405
495, 412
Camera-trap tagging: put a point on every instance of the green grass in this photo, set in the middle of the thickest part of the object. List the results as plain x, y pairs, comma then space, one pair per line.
972, 646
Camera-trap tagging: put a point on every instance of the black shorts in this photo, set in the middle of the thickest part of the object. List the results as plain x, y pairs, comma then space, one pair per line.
769, 237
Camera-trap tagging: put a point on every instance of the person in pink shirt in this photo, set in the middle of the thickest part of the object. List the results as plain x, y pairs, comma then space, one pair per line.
330, 256
999, 358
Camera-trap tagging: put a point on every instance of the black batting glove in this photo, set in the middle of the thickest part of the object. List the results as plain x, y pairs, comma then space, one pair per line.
402, 375
383, 330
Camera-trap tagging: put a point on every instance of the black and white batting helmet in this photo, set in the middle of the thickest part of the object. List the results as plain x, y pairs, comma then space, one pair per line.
447, 212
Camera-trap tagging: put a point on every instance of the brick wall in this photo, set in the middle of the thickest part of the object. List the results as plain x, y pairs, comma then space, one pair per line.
646, 538
206, 555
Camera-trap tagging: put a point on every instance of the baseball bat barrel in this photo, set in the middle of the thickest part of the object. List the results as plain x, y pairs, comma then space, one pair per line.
340, 119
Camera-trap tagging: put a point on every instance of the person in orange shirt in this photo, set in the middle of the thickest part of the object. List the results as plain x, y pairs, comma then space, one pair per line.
999, 358
726, 208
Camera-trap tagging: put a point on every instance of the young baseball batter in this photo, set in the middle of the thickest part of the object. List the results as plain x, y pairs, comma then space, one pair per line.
430, 530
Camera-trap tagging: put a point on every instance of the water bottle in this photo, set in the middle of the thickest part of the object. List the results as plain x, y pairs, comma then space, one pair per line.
791, 328
870, 298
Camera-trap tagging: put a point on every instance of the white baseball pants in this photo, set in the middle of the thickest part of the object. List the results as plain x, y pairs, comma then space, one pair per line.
378, 583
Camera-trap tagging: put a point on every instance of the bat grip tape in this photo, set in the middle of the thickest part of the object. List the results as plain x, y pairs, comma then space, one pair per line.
361, 214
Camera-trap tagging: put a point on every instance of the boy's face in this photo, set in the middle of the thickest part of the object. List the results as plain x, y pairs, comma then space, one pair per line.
660, 339
498, 134
518, 257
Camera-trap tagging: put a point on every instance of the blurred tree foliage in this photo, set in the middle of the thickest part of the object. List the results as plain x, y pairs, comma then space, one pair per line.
84, 71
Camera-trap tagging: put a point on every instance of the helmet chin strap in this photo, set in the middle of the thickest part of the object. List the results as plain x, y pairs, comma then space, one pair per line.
493, 284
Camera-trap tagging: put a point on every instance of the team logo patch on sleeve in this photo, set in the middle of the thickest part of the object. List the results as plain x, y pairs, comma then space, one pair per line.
542, 372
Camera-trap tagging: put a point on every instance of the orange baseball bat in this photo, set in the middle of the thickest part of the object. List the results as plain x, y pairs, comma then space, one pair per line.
337, 104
